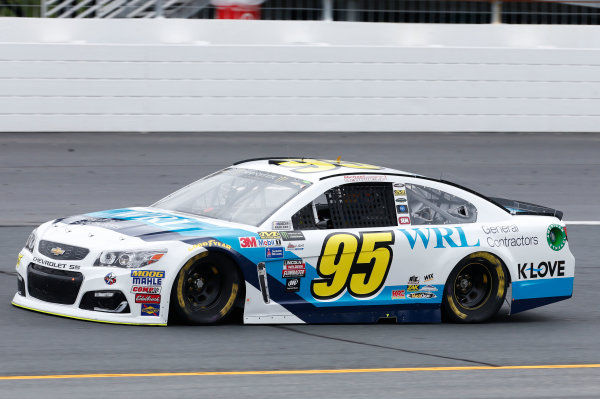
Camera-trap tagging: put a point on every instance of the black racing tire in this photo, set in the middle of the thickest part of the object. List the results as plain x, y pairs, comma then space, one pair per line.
206, 289
475, 289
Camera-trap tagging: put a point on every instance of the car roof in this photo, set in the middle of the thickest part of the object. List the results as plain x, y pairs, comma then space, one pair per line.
314, 169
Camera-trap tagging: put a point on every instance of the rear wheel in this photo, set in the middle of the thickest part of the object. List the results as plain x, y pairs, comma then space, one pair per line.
206, 289
475, 289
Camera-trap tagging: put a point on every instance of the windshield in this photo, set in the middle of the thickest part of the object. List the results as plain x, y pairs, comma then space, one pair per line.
238, 195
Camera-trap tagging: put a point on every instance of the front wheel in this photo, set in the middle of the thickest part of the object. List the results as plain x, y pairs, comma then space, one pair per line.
206, 289
475, 289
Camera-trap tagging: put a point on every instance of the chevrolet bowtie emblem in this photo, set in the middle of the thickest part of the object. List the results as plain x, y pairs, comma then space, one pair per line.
57, 251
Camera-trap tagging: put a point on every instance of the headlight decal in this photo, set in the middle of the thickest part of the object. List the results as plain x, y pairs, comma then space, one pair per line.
132, 259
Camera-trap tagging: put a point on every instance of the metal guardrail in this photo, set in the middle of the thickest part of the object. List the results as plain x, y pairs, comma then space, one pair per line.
584, 12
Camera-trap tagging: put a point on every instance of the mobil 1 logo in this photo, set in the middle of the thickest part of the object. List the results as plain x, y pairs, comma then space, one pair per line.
292, 285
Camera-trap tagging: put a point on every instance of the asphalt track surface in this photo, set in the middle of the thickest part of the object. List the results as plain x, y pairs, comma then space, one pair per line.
41, 179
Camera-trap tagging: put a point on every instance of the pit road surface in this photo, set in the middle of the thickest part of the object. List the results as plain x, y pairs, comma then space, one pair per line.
41, 179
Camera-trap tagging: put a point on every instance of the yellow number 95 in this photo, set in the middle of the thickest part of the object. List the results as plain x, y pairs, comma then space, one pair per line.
359, 264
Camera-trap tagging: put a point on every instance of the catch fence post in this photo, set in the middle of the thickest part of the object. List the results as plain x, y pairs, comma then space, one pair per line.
327, 10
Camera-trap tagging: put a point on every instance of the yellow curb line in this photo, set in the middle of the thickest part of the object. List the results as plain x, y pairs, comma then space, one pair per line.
291, 372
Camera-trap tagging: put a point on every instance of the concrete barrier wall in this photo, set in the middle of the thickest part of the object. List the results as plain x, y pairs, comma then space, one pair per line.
198, 75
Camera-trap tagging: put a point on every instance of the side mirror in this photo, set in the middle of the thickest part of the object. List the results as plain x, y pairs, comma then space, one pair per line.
323, 224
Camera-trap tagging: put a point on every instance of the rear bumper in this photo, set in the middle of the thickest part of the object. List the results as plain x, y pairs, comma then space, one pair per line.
534, 293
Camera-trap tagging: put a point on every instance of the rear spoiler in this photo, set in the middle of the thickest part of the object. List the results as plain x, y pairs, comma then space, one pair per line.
526, 208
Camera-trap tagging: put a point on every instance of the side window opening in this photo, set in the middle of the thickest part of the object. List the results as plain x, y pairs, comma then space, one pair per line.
351, 205
431, 206
304, 219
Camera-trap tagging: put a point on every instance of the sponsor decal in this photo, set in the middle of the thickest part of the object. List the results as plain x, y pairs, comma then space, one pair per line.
248, 242
147, 277
421, 295
504, 229
269, 234
428, 277
404, 220
253, 242
167, 221
398, 193
556, 237
305, 165
19, 257
294, 247
293, 268
344, 261
543, 269
507, 241
428, 288
292, 285
445, 237
144, 289
412, 287
147, 298
274, 253
110, 278
209, 243
282, 225
512, 242
148, 273
398, 185
57, 251
149, 309
292, 235
402, 208
364, 178
398, 294
401, 200
413, 280
49, 263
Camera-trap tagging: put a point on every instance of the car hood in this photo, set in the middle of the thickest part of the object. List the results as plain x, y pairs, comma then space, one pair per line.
151, 224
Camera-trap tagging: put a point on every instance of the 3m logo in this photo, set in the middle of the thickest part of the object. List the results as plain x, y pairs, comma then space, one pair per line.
248, 242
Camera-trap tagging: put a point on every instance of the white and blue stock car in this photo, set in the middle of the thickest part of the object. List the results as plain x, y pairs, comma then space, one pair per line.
300, 241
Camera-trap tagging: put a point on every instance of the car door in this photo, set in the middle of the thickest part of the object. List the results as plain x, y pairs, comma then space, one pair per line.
375, 243
341, 248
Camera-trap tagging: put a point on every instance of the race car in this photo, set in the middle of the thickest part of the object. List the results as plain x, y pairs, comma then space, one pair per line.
298, 240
